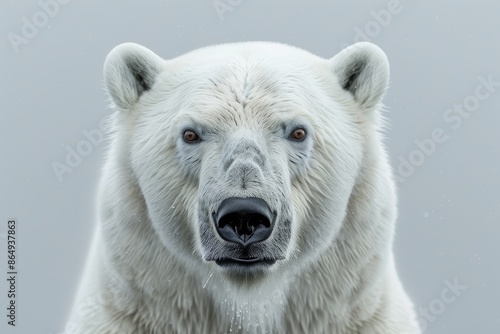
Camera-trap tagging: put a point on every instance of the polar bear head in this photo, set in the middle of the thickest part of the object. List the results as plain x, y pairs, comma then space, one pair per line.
246, 155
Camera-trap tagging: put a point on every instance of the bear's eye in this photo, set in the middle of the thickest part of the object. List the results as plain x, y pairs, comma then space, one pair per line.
298, 134
190, 136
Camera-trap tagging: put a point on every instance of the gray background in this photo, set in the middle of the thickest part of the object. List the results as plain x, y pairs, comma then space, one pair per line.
448, 225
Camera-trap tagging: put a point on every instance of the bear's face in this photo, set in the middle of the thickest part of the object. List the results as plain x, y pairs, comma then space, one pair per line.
245, 154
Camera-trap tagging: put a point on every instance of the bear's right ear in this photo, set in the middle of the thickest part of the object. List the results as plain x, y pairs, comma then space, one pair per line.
362, 69
130, 70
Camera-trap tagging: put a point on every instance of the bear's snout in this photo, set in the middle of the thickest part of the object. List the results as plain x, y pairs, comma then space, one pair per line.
244, 221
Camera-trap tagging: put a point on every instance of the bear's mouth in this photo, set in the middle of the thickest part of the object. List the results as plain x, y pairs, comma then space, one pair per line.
244, 262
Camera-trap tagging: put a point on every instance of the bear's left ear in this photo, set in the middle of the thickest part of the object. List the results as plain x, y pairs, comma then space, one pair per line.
129, 71
363, 70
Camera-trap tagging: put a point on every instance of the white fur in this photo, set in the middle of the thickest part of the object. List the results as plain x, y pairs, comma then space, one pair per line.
334, 193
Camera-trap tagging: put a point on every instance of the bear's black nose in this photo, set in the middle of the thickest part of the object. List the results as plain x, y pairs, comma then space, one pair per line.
244, 220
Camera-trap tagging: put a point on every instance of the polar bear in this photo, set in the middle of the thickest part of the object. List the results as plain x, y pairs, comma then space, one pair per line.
246, 190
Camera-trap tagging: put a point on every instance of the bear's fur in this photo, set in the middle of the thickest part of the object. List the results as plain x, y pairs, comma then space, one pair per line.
152, 266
